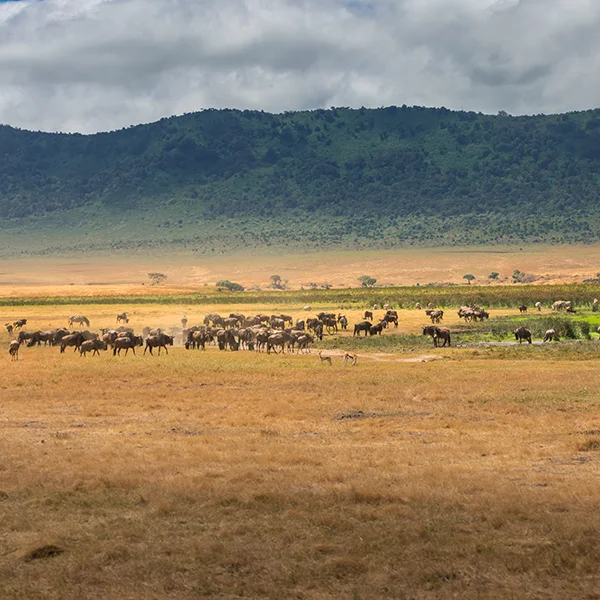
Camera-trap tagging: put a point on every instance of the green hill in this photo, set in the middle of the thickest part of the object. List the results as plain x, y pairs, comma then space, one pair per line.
222, 179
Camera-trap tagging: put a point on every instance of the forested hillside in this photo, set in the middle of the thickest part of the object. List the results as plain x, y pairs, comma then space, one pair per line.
413, 169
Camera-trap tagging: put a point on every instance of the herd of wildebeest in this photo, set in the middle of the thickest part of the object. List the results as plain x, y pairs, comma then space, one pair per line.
275, 333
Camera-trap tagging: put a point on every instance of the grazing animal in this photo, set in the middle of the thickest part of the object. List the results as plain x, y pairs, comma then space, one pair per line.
387, 307
436, 316
324, 359
73, 339
281, 338
538, 305
158, 341
41, 336
93, 346
562, 305
437, 334
20, 323
9, 327
418, 306
80, 320
127, 343
307, 308
331, 324
522, 333
551, 335
13, 350
390, 317
523, 308
368, 315
377, 329
122, 318
350, 357
363, 326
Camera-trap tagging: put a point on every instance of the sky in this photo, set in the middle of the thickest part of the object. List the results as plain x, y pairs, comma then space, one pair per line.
97, 65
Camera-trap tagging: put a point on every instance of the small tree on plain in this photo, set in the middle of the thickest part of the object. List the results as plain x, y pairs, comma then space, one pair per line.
469, 278
367, 281
494, 275
156, 278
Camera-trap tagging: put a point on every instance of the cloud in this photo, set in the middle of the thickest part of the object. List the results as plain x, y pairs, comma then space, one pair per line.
89, 65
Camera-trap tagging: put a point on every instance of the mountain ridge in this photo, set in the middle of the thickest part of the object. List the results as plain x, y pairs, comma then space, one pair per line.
400, 174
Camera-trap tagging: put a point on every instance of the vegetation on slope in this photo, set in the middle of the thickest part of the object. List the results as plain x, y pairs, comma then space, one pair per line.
399, 172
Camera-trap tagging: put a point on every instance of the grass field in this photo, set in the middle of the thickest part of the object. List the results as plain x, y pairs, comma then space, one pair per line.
423, 473
186, 271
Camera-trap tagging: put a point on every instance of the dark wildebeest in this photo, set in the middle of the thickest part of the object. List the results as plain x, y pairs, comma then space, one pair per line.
24, 336
13, 350
523, 308
281, 338
20, 323
158, 341
436, 316
74, 339
437, 333
41, 336
368, 315
9, 327
59, 335
122, 318
79, 319
324, 315
226, 337
363, 326
303, 342
301, 324
127, 343
479, 314
522, 333
331, 325
93, 346
390, 318
377, 329
551, 335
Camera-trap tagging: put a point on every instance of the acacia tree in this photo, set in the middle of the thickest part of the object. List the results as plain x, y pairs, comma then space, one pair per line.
156, 278
494, 275
469, 278
367, 280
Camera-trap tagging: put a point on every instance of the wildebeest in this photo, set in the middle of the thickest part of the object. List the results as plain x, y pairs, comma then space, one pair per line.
281, 338
42, 336
523, 308
79, 319
13, 350
551, 335
122, 318
343, 321
331, 325
522, 333
435, 315
24, 336
418, 306
437, 334
307, 308
20, 323
9, 327
225, 337
368, 315
562, 305
377, 329
158, 341
74, 339
127, 343
303, 342
391, 316
363, 326
93, 346
538, 305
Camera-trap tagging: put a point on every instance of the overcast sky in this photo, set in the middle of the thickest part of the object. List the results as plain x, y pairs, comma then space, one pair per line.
90, 65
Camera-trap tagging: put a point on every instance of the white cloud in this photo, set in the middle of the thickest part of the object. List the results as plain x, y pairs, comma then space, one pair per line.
89, 65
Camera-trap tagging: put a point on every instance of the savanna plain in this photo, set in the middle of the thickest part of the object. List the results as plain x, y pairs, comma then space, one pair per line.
422, 472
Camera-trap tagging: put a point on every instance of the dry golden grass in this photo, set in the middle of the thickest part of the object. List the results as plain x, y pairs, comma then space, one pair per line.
244, 475
77, 275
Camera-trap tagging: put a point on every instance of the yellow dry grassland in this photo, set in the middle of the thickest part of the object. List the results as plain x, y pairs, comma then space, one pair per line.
186, 271
242, 475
